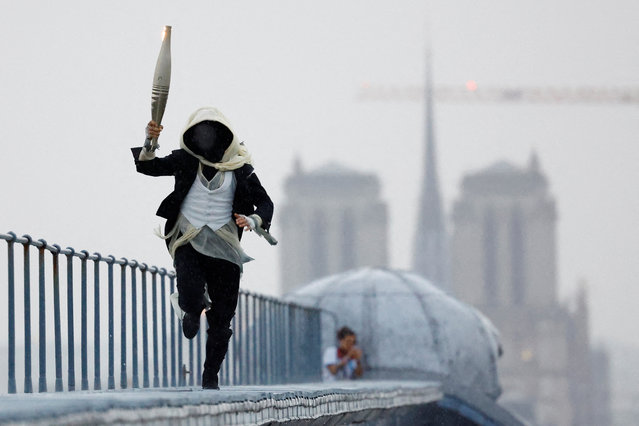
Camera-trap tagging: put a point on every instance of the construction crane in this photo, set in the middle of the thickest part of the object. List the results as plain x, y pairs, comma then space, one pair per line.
472, 93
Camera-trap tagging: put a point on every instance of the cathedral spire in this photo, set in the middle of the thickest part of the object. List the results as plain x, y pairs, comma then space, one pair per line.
429, 257
431, 181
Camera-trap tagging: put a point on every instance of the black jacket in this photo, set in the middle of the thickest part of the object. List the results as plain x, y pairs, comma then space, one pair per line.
250, 196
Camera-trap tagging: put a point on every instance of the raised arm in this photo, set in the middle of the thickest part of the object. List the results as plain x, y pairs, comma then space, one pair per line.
147, 163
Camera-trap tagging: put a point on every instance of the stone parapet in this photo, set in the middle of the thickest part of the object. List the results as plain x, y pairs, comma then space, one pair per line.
237, 405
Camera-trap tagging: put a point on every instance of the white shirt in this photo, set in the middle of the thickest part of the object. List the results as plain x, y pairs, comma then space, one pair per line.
344, 373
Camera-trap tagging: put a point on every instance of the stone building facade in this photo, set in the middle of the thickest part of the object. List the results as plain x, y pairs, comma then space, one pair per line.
333, 220
504, 262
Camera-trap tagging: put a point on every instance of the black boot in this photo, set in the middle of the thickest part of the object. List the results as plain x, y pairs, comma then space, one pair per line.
190, 325
209, 380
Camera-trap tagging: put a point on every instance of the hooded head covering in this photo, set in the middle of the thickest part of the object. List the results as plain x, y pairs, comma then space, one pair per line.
208, 136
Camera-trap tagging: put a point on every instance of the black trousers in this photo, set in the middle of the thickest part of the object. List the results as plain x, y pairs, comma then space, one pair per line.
193, 270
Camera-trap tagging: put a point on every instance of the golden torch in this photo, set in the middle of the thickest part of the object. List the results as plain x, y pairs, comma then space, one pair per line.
161, 83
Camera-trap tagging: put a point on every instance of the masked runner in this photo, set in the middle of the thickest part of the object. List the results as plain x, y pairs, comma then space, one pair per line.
216, 197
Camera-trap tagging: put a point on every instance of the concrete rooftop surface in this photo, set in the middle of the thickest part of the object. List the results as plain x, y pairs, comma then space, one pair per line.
230, 405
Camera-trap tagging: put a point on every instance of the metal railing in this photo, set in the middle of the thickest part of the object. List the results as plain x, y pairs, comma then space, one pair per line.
273, 341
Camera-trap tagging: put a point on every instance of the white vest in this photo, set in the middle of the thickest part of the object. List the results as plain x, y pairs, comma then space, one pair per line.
206, 207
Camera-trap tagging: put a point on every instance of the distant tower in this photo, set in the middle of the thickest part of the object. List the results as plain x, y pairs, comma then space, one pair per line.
504, 262
504, 243
429, 253
333, 221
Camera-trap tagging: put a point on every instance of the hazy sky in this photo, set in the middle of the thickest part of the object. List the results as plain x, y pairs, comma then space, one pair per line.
75, 95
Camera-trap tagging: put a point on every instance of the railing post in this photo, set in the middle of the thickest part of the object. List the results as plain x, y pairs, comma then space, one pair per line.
70, 326
273, 340
294, 343
11, 385
226, 374
111, 380
239, 330
236, 353
281, 358
180, 360
254, 365
28, 386
318, 343
56, 319
263, 342
165, 369
84, 320
245, 339
311, 355
96, 322
271, 343
309, 344
154, 297
173, 359
134, 325
42, 326
123, 266
200, 337
282, 344
287, 340
145, 334
191, 363
289, 343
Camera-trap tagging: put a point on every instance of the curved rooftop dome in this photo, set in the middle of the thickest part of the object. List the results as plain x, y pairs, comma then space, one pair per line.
408, 328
